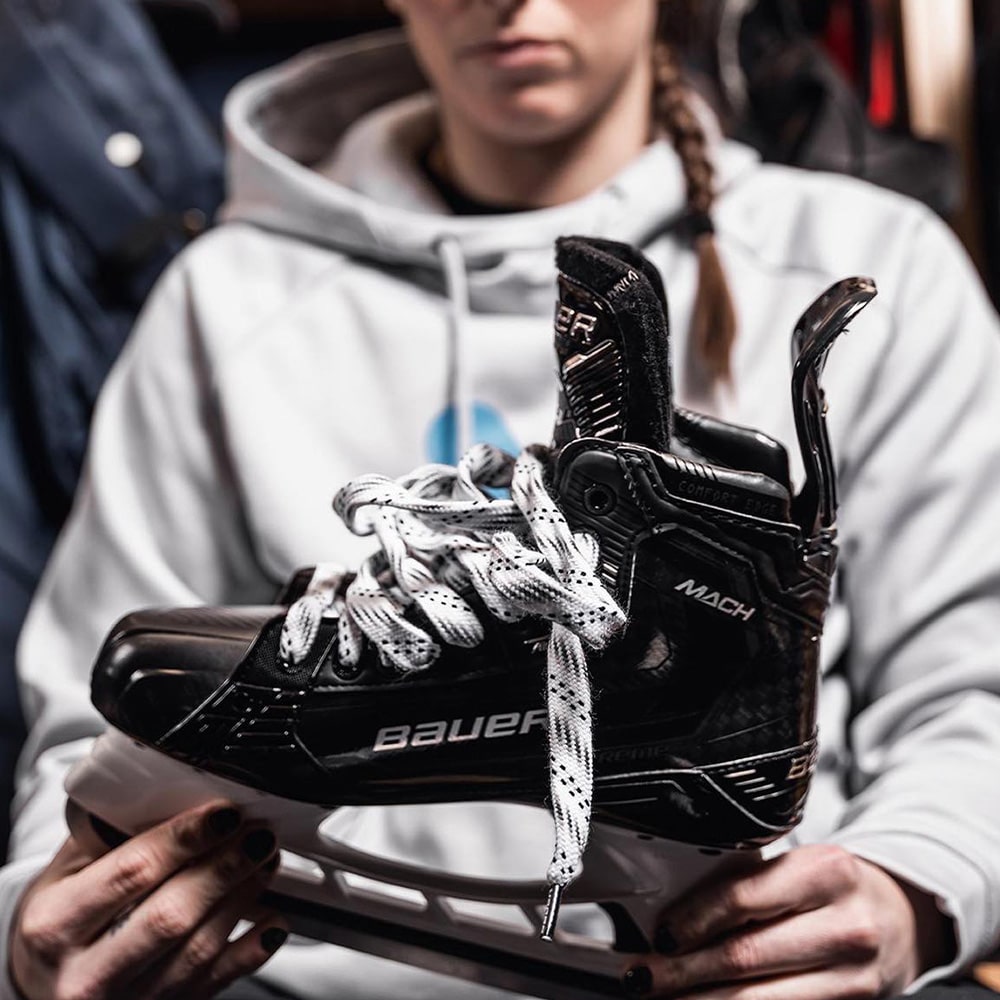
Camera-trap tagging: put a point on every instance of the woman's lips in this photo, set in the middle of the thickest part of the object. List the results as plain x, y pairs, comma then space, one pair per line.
518, 53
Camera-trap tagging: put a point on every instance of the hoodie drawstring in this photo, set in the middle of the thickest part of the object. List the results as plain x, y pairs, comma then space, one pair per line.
460, 402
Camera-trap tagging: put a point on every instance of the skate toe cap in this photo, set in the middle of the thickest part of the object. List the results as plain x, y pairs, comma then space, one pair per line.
159, 666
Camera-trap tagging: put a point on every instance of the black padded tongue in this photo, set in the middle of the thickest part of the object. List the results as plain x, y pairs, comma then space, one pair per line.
612, 344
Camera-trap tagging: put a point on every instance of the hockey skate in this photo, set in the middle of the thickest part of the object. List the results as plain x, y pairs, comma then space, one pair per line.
654, 557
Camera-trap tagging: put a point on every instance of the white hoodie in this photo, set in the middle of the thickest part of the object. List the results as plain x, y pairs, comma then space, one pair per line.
339, 318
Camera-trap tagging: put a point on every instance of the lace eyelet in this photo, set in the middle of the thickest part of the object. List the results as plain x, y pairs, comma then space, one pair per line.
599, 500
345, 673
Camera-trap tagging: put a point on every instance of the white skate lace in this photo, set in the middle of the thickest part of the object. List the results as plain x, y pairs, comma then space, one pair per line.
441, 534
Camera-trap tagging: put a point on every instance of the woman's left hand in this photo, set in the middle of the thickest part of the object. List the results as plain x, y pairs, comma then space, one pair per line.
816, 923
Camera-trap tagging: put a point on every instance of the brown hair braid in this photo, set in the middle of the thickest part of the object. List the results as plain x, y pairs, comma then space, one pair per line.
713, 326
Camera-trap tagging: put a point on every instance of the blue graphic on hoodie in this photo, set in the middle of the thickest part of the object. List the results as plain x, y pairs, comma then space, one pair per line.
487, 425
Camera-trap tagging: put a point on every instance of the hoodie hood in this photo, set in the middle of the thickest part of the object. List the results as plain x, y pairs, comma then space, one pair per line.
323, 148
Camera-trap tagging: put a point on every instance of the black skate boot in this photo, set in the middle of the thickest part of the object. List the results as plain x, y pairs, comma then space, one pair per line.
653, 556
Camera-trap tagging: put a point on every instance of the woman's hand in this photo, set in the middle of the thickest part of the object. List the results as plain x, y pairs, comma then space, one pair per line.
816, 923
150, 918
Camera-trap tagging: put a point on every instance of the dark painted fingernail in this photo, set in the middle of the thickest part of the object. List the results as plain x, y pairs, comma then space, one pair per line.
638, 981
272, 866
272, 939
107, 833
223, 822
258, 844
664, 941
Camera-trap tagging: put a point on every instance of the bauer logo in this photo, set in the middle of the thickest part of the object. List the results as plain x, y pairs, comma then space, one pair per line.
482, 727
727, 605
575, 324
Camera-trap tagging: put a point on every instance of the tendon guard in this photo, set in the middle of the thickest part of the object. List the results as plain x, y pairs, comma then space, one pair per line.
418, 679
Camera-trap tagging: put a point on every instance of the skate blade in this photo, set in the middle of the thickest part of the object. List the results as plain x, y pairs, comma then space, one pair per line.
478, 929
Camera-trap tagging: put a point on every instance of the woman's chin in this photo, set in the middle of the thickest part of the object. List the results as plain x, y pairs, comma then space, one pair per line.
535, 115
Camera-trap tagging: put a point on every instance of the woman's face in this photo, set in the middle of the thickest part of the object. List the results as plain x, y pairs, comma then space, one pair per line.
530, 71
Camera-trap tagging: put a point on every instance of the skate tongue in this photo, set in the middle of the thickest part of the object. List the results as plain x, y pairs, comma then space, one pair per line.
612, 344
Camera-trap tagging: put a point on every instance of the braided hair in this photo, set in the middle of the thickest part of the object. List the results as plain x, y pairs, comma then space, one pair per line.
713, 326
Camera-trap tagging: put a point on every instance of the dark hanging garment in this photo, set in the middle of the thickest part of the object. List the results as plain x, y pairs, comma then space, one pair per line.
790, 100
106, 170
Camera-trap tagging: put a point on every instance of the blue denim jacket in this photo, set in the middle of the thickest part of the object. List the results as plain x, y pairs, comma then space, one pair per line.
107, 168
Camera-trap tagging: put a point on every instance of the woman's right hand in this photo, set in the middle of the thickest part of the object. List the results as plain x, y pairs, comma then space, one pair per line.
152, 917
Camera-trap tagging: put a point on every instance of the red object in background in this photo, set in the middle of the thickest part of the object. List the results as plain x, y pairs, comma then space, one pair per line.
883, 106
840, 40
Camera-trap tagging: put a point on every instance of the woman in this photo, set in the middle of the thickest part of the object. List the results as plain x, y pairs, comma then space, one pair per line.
381, 295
